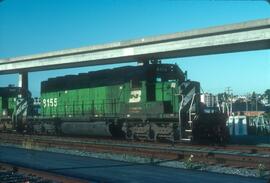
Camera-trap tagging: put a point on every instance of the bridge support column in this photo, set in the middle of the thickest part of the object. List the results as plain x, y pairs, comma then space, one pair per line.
23, 83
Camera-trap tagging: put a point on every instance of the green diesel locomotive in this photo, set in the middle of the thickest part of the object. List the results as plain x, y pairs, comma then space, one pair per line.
8, 96
149, 101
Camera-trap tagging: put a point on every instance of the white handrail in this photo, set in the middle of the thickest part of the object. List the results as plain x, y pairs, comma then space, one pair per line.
180, 122
191, 104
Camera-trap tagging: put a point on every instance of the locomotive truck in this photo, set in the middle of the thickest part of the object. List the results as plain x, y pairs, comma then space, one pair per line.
150, 101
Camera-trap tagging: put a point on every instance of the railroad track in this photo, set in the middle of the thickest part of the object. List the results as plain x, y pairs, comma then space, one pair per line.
231, 155
253, 149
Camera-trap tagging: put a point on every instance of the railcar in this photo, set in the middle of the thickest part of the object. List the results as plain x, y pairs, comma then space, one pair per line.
150, 101
8, 96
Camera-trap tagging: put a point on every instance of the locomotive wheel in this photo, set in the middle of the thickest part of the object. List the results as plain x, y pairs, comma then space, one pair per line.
152, 135
129, 134
176, 134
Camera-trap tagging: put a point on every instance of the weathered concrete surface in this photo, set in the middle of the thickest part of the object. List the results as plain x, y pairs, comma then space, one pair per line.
252, 35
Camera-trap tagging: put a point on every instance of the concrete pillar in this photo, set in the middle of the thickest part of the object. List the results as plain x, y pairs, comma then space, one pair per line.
23, 83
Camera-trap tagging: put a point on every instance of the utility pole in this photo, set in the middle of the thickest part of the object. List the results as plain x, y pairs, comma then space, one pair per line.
256, 103
228, 90
247, 97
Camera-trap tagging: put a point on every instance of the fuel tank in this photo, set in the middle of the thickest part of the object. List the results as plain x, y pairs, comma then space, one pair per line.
97, 128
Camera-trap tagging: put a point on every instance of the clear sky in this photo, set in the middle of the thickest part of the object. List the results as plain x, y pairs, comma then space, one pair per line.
36, 26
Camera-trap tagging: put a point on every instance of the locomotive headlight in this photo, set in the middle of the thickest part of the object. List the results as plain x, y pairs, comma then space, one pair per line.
121, 87
173, 85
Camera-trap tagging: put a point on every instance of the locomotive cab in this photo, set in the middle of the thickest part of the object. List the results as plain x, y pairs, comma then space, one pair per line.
165, 101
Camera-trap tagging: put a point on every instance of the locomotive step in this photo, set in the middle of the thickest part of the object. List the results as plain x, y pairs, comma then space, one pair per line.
185, 140
188, 130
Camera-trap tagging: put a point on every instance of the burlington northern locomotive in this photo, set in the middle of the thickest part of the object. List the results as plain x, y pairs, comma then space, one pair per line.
150, 101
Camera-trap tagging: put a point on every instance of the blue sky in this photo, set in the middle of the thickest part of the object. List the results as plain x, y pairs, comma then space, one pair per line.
35, 26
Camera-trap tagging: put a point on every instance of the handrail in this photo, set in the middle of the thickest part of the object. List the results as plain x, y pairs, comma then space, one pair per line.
191, 104
180, 122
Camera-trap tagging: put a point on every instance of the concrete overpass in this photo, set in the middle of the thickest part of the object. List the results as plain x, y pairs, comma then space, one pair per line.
246, 36
252, 35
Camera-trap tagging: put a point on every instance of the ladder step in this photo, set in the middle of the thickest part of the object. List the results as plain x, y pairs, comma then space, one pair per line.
188, 130
185, 140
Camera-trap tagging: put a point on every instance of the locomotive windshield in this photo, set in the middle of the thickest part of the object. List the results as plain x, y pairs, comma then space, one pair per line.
169, 73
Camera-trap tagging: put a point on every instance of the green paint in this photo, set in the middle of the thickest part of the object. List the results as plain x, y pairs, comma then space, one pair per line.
108, 101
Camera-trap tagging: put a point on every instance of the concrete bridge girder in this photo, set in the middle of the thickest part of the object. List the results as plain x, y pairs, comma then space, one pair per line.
232, 42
